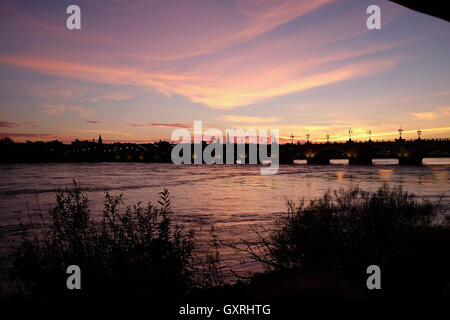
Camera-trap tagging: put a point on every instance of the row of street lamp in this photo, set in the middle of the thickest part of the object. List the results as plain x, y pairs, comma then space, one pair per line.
350, 132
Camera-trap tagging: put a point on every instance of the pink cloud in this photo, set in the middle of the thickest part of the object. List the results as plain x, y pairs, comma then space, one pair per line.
58, 109
26, 135
215, 91
7, 124
227, 75
170, 125
31, 124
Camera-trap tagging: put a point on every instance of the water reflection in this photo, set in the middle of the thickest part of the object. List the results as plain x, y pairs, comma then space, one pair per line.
385, 174
436, 161
339, 161
384, 161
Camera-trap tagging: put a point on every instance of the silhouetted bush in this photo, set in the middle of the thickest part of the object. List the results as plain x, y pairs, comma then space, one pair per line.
137, 253
343, 232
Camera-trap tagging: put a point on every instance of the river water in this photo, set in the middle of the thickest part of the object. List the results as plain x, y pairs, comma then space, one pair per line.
232, 198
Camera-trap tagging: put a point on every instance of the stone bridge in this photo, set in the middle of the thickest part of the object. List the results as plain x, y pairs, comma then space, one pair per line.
406, 151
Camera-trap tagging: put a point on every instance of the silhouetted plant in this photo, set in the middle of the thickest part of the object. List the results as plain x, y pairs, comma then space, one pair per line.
345, 231
332, 229
134, 254
211, 268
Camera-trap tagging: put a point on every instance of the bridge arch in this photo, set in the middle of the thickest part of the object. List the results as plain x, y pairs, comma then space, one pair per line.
323, 155
414, 156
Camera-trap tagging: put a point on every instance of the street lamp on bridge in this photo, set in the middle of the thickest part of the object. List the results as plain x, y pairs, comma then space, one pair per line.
400, 132
328, 138
419, 133
307, 137
369, 133
350, 131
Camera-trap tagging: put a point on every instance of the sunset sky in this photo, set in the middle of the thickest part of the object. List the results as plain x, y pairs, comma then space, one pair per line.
139, 69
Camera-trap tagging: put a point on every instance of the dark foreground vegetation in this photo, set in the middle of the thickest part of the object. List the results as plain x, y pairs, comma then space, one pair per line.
320, 249
133, 253
323, 248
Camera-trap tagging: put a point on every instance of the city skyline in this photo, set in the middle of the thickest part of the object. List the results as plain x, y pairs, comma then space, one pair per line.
137, 70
